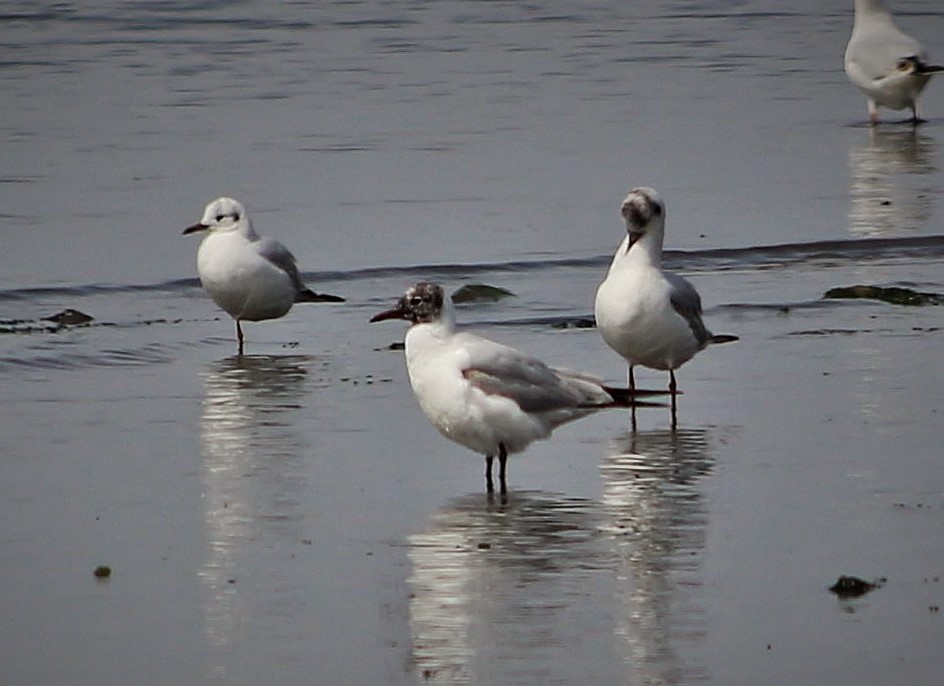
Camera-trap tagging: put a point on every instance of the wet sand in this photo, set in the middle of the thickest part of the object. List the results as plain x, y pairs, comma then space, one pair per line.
290, 516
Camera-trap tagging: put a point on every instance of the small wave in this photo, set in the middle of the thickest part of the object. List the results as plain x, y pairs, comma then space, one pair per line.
152, 353
710, 260
28, 293
48, 346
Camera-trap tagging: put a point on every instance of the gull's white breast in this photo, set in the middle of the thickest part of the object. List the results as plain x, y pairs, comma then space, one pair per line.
635, 317
240, 280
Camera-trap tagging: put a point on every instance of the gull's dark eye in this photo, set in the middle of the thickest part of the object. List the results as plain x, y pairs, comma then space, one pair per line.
219, 217
416, 300
235, 217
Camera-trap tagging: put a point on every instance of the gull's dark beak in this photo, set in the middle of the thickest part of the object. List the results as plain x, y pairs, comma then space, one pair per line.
922, 68
633, 237
195, 228
396, 313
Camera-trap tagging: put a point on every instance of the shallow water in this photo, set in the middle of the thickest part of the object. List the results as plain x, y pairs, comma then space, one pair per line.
290, 517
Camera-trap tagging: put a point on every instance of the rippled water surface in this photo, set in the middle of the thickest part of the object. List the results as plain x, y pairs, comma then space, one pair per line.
289, 516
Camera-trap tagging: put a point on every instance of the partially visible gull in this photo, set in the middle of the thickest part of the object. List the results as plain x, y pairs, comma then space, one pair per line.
890, 67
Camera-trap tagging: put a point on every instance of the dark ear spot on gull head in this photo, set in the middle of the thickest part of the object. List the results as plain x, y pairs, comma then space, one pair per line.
222, 213
421, 304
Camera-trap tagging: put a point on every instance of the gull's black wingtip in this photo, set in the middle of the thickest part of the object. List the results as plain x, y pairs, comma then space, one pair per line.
309, 296
626, 397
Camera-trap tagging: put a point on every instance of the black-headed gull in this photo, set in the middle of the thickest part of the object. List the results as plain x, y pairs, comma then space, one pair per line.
647, 316
888, 66
251, 277
486, 396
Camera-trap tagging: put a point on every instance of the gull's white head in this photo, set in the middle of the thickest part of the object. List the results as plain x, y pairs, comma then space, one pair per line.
222, 215
643, 213
423, 303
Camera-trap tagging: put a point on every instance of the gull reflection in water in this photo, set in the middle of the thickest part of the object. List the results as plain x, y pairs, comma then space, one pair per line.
493, 588
250, 472
891, 186
656, 521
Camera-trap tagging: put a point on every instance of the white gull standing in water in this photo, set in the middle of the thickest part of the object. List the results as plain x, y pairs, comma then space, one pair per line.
888, 66
486, 396
249, 276
649, 317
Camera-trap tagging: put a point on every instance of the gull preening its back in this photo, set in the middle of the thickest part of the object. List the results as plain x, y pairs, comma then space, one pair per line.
485, 396
891, 68
649, 317
251, 277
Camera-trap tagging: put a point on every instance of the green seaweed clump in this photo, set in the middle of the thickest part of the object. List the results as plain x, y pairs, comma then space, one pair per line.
895, 295
69, 317
853, 587
480, 292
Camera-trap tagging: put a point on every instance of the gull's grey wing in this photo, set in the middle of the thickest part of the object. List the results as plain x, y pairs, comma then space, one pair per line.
877, 53
499, 370
281, 257
686, 301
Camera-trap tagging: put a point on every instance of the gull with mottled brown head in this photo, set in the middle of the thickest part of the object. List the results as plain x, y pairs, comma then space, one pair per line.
650, 317
485, 396
251, 277
889, 67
